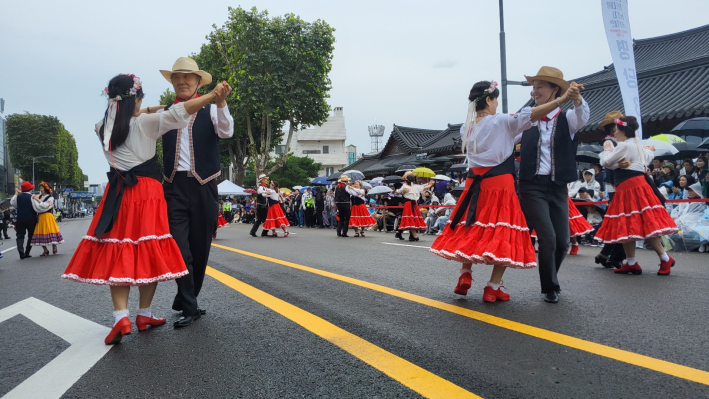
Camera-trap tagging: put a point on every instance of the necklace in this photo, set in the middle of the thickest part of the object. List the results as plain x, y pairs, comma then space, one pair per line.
483, 114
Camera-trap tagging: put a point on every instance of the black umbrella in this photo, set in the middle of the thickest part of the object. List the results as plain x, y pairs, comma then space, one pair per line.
692, 127
459, 167
458, 189
404, 168
334, 176
589, 148
704, 145
587, 156
392, 179
686, 150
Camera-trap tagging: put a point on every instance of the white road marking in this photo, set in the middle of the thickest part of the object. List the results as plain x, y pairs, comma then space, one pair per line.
406, 245
9, 249
87, 348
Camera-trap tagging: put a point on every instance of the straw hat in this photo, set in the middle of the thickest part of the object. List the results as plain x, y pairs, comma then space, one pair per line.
187, 65
343, 178
262, 176
551, 75
609, 118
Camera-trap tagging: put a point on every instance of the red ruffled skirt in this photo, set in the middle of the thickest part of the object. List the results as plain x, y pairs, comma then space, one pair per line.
221, 221
578, 225
138, 250
412, 219
635, 214
275, 219
499, 236
360, 217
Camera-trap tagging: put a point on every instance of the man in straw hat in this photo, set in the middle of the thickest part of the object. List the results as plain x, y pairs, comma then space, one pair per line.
261, 205
548, 163
191, 163
612, 255
342, 202
26, 218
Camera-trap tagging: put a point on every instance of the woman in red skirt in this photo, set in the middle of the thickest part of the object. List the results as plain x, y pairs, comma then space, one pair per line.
275, 218
412, 219
129, 242
578, 226
487, 225
636, 212
360, 218
221, 222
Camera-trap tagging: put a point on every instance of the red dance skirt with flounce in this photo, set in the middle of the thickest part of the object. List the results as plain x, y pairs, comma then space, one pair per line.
360, 217
412, 219
578, 225
499, 235
221, 221
275, 218
138, 250
635, 214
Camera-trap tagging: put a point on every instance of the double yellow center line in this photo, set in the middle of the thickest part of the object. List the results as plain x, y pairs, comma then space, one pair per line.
662, 366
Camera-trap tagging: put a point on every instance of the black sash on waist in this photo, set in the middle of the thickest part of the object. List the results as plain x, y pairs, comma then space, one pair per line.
470, 201
117, 182
621, 175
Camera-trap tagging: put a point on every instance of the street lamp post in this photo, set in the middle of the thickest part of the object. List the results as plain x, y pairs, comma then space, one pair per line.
35, 158
503, 63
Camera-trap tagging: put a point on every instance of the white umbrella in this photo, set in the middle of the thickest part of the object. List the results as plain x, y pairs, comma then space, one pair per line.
376, 180
662, 148
297, 187
366, 185
354, 174
441, 177
379, 190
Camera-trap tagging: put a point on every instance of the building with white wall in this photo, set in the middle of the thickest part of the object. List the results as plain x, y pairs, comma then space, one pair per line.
324, 144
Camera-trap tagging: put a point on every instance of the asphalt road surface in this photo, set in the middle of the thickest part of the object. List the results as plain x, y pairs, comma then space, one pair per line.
314, 315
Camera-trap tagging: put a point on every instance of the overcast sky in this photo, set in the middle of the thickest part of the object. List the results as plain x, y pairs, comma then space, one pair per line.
409, 63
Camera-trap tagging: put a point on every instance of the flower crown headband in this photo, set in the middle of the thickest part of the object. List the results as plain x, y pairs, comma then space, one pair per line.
620, 122
472, 118
131, 92
113, 107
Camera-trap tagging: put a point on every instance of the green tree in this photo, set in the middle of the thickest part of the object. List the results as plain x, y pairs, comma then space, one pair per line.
30, 135
296, 171
279, 69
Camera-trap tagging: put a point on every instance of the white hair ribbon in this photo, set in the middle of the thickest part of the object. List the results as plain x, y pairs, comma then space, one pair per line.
109, 121
471, 119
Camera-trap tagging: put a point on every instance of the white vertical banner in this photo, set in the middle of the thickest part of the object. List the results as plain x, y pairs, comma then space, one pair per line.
620, 42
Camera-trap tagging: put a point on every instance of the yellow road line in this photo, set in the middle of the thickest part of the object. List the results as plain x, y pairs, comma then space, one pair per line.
408, 374
662, 366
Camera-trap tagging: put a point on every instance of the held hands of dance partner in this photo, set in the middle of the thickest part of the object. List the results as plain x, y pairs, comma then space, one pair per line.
221, 91
572, 94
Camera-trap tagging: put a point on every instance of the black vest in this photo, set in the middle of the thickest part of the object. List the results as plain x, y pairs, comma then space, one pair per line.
261, 200
25, 212
205, 148
341, 195
357, 201
563, 152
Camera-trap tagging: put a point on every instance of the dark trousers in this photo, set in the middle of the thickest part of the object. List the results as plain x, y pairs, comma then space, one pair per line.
546, 206
318, 216
192, 212
22, 230
3, 230
309, 217
344, 224
261, 213
613, 252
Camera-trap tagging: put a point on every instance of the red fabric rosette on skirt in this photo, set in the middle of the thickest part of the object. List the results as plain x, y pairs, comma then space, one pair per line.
138, 250
221, 221
275, 219
635, 214
360, 217
578, 225
412, 219
499, 236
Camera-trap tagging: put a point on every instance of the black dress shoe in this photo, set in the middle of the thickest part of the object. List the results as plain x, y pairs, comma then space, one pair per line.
551, 297
253, 234
185, 321
28, 256
614, 263
345, 235
600, 260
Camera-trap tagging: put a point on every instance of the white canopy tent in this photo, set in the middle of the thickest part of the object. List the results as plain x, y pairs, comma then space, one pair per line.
228, 188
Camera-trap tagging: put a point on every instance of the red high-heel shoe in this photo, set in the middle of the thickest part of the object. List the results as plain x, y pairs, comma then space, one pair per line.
574, 249
121, 328
464, 282
143, 322
491, 295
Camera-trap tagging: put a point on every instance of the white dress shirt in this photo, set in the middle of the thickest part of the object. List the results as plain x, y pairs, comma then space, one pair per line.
577, 118
145, 130
627, 150
495, 138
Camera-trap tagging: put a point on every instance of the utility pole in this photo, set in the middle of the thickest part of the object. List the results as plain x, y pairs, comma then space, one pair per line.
503, 63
